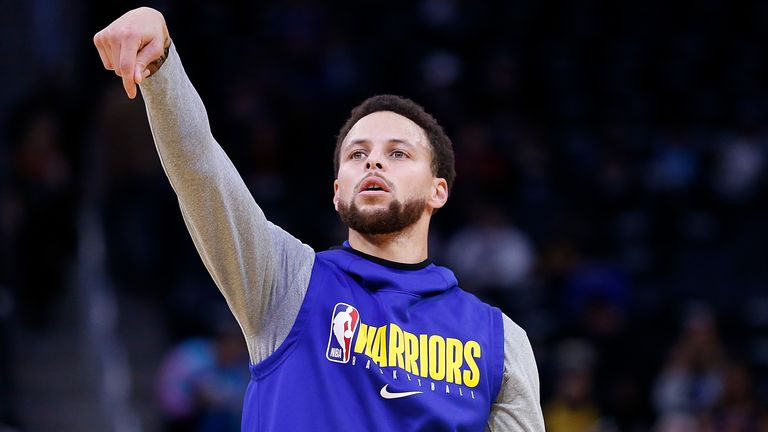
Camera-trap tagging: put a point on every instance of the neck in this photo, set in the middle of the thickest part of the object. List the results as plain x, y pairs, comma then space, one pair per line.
408, 246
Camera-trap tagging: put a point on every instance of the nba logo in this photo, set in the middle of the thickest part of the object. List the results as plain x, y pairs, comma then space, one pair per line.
343, 326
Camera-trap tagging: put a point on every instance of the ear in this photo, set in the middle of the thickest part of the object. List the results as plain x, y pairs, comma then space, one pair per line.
439, 195
336, 194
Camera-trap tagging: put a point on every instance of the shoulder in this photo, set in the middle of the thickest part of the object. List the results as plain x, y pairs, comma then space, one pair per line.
514, 335
519, 359
518, 403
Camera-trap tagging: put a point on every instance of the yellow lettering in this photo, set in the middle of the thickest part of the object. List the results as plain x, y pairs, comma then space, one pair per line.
364, 339
396, 346
436, 357
411, 352
379, 349
453, 360
423, 356
471, 376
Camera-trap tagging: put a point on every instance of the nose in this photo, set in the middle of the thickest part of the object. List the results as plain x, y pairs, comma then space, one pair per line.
374, 162
378, 165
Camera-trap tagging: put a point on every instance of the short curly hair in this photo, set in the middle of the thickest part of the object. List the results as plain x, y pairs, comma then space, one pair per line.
442, 148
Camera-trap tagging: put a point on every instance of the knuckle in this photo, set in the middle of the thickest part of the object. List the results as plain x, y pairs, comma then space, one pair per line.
106, 35
126, 32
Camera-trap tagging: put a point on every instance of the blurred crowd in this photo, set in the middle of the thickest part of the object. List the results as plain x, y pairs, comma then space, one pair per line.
611, 190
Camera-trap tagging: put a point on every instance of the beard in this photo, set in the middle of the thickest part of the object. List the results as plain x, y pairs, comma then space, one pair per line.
395, 218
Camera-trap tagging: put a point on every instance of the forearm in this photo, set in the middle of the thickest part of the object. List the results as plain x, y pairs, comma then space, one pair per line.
180, 127
244, 253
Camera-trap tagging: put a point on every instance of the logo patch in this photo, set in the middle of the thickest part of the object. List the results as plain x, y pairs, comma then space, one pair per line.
344, 321
386, 394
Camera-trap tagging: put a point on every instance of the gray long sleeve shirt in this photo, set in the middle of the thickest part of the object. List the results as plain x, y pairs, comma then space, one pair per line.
263, 271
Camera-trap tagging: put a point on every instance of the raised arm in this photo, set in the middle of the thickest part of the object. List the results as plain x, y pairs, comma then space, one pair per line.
262, 271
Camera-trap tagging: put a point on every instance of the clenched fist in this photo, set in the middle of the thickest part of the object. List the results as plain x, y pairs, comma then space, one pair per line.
134, 46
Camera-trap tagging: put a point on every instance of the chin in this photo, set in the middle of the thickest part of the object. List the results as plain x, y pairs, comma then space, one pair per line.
363, 206
373, 204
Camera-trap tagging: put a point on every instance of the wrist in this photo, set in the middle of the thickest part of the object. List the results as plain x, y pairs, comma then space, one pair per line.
155, 65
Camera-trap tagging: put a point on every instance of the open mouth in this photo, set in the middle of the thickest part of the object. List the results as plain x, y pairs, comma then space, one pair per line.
373, 184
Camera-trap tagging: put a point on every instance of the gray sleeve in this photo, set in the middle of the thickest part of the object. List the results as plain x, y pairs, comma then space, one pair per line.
261, 270
517, 407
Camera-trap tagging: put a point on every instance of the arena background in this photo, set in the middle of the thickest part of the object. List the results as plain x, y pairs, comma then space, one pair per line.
611, 197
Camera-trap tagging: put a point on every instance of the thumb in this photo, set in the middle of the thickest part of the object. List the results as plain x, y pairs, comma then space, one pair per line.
148, 54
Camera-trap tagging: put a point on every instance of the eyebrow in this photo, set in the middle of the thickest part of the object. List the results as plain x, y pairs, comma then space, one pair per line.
367, 141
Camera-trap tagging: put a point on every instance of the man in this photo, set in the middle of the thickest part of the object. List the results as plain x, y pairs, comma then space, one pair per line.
371, 336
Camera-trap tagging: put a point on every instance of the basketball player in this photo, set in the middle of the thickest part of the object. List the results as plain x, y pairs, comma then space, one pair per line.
371, 336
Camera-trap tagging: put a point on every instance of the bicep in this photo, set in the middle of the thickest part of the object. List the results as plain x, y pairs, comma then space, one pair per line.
517, 406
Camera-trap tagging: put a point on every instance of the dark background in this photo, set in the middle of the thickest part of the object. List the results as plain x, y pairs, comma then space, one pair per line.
610, 198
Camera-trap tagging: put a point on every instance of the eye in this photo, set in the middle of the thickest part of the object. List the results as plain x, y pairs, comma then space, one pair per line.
357, 155
399, 154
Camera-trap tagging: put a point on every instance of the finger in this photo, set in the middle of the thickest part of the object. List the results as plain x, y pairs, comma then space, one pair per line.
149, 53
128, 50
112, 49
102, 50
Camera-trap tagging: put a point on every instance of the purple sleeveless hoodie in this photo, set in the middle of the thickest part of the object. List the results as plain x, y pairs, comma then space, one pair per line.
380, 346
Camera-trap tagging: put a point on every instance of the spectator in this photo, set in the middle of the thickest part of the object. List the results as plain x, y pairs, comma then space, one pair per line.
736, 410
691, 382
494, 257
572, 408
44, 237
201, 383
